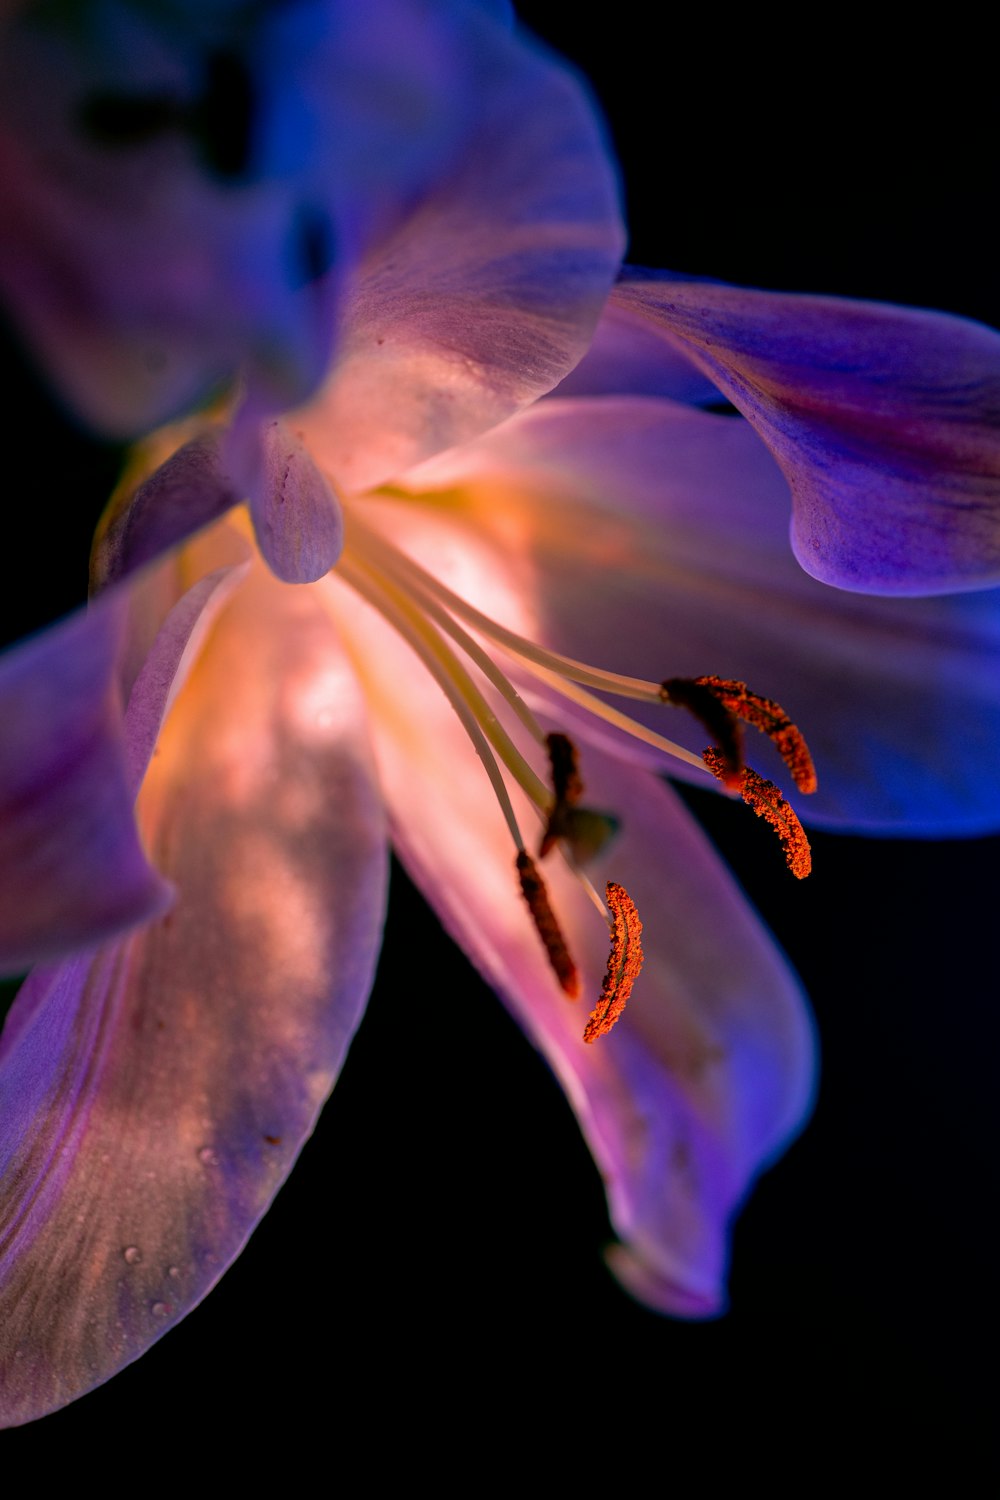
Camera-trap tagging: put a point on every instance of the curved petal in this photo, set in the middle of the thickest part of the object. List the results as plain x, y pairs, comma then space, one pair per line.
885, 421
72, 867
629, 356
156, 1098
166, 667
488, 294
650, 540
296, 516
709, 1071
182, 184
189, 490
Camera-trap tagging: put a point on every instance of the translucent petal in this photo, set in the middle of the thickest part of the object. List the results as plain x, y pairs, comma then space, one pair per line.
73, 868
710, 1069
885, 421
488, 294
651, 540
184, 183
157, 1096
296, 516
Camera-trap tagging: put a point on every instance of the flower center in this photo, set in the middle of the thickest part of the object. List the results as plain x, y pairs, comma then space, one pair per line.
436, 622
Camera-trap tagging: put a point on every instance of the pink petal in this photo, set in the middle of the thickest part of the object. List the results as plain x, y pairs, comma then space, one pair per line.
488, 294
883, 419
651, 541
158, 1095
708, 1073
73, 868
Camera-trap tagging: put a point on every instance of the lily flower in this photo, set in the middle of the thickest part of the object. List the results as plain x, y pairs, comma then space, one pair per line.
160, 1086
504, 566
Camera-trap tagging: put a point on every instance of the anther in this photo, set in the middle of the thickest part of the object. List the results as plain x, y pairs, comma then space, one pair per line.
699, 697
624, 963
767, 802
770, 718
537, 897
584, 832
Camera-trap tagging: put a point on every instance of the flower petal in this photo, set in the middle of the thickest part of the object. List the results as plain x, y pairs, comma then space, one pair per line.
651, 541
630, 356
188, 491
709, 1071
885, 421
184, 183
296, 516
488, 294
73, 869
157, 1097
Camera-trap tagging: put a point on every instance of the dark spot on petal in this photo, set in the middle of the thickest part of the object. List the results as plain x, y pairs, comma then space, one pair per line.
720, 408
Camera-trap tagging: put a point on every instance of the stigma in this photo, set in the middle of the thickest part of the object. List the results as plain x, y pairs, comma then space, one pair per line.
473, 659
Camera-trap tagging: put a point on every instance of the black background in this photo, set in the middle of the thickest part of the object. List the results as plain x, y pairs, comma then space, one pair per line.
427, 1296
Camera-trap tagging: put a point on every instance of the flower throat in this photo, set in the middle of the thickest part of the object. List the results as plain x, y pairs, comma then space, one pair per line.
432, 619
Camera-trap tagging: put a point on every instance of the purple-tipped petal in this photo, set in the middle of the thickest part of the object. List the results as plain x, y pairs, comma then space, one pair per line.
488, 294
708, 1073
651, 540
73, 868
297, 518
885, 421
156, 1098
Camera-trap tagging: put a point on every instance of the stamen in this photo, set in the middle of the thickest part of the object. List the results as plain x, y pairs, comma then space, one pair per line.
697, 696
370, 590
445, 667
567, 789
583, 831
624, 963
767, 802
604, 711
767, 716
537, 897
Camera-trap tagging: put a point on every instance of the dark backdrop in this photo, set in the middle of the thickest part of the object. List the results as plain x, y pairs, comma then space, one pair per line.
432, 1272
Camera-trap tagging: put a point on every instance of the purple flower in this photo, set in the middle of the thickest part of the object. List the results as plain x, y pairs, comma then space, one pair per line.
515, 549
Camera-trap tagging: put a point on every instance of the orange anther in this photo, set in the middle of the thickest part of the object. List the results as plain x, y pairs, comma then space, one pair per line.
767, 802
770, 718
624, 963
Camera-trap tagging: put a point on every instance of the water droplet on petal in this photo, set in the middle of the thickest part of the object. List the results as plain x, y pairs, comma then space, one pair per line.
132, 1254
159, 1309
174, 1272
208, 1156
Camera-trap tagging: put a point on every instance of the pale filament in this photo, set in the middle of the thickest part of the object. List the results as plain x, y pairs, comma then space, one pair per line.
567, 676
474, 713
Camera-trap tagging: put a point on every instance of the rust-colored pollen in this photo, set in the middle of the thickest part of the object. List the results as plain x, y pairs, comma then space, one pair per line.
767, 802
624, 963
537, 897
700, 698
584, 831
770, 718
567, 789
